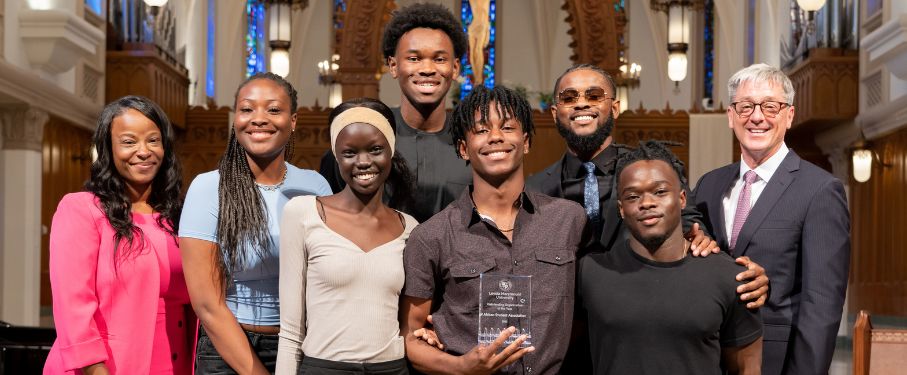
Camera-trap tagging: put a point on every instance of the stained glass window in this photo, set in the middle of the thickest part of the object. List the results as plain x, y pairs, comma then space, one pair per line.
466, 68
255, 37
211, 69
708, 75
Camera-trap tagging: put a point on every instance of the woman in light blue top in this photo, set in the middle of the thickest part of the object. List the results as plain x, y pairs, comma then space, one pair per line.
229, 231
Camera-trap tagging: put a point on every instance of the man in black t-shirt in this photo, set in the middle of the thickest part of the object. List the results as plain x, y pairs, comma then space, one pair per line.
661, 310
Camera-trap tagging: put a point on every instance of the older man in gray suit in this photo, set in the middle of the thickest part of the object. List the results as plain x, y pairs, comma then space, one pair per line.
786, 214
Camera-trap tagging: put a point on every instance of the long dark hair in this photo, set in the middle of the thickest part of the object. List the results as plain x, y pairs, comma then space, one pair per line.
242, 222
400, 181
107, 184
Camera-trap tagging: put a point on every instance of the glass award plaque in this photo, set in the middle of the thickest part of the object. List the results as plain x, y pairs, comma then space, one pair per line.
504, 301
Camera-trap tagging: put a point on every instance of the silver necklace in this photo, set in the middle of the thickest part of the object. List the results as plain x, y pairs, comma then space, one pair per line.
276, 186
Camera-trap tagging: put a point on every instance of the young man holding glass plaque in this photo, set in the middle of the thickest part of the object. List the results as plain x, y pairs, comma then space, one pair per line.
498, 251
663, 311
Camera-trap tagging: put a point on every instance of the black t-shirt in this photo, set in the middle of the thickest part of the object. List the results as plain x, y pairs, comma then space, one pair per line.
647, 317
440, 175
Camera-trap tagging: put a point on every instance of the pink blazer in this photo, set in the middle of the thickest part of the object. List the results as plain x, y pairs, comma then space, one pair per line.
102, 314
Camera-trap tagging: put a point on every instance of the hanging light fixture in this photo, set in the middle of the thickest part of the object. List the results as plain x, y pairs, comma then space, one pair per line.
279, 37
279, 29
811, 7
155, 3
627, 78
862, 156
327, 76
680, 15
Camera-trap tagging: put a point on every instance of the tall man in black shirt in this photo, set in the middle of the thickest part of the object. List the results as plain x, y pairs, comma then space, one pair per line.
661, 310
422, 45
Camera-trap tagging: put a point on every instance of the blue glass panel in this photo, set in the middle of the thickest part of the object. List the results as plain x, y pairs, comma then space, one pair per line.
255, 49
466, 68
94, 6
211, 69
709, 47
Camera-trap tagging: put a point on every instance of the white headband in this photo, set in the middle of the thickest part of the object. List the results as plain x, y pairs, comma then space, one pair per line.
361, 115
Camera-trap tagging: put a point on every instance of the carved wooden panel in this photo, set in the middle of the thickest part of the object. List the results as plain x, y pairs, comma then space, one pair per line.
878, 207
826, 84
359, 46
145, 70
202, 143
597, 29
547, 144
638, 125
65, 167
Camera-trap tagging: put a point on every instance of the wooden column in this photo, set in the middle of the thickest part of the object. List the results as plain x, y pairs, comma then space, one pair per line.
359, 46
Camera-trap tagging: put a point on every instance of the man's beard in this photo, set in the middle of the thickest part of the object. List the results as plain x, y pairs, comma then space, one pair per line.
586, 144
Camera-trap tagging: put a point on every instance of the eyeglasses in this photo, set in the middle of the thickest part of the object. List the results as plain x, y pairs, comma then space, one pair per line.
769, 108
594, 96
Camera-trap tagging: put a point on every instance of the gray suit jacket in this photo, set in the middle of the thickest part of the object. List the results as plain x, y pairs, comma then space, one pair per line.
799, 230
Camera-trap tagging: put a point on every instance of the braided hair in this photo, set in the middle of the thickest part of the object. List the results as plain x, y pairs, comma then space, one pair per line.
242, 222
107, 184
400, 181
652, 150
509, 105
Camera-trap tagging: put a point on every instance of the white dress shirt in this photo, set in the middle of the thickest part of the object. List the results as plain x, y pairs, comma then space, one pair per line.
764, 171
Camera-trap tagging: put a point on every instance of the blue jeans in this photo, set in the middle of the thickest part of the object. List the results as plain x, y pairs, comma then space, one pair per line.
209, 362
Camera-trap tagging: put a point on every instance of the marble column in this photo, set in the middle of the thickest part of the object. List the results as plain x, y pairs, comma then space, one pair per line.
20, 224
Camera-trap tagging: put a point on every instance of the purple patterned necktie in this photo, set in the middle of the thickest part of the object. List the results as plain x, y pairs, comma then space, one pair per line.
743, 206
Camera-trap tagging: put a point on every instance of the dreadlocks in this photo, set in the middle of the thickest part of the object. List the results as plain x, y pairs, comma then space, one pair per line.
652, 150
509, 105
242, 222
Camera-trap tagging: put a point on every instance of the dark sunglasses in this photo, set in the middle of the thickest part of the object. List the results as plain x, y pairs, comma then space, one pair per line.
594, 96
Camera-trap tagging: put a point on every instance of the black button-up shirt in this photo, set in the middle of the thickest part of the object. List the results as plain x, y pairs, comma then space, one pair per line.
445, 256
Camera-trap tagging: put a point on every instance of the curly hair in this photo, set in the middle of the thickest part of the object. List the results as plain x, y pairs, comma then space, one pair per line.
242, 222
108, 185
430, 16
652, 150
400, 182
509, 105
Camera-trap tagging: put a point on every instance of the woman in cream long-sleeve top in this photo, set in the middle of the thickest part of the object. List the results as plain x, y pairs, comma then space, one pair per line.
119, 297
341, 266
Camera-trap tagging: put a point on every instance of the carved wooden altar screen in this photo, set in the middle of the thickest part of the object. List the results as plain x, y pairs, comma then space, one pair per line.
358, 42
597, 28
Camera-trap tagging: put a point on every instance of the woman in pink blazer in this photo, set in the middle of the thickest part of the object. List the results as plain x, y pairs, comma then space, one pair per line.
119, 297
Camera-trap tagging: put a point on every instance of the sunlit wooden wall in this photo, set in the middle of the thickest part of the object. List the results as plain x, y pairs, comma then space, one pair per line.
878, 272
66, 159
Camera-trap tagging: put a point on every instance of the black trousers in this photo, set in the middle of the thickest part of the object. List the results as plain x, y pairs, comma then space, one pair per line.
209, 362
315, 366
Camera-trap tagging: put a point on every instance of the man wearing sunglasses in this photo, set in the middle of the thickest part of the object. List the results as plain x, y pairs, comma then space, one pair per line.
584, 113
787, 214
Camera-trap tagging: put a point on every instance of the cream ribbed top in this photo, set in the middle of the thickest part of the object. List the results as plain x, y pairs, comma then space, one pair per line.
351, 296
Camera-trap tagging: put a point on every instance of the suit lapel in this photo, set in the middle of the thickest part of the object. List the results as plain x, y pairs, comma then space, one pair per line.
776, 186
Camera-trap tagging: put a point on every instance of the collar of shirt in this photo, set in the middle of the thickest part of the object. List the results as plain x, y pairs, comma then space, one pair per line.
470, 214
403, 129
767, 169
604, 162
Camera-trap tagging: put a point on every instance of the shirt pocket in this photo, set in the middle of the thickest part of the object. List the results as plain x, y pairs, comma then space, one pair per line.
554, 272
463, 287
